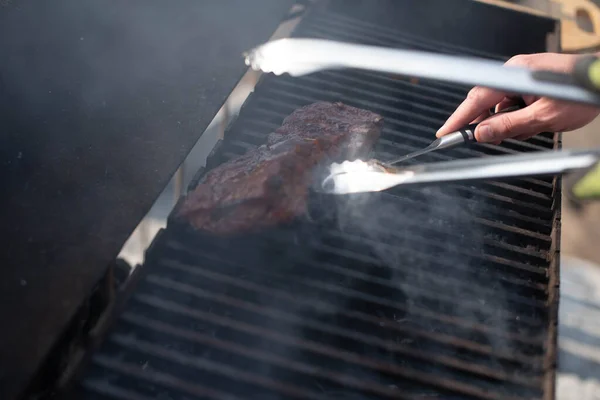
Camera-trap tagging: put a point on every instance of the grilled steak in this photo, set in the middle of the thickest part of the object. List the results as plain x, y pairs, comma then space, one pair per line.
348, 132
269, 185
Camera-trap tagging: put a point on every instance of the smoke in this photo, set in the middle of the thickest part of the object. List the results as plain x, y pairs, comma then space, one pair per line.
426, 239
104, 51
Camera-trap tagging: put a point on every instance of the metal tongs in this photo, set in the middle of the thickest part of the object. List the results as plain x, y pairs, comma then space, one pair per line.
298, 57
465, 135
304, 56
374, 176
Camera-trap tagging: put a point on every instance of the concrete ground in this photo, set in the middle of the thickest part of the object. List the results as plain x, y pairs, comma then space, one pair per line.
579, 329
581, 230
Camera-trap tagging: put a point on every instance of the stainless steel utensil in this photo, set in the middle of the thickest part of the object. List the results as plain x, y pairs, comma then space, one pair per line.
304, 56
373, 176
464, 136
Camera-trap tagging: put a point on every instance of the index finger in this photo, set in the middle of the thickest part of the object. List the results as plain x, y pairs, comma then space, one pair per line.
478, 101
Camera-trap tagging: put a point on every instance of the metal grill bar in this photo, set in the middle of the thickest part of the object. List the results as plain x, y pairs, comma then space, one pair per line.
345, 380
526, 315
384, 303
407, 90
277, 314
152, 349
315, 31
153, 377
388, 346
471, 211
465, 251
404, 85
534, 276
325, 306
346, 357
369, 95
113, 391
389, 35
430, 263
315, 371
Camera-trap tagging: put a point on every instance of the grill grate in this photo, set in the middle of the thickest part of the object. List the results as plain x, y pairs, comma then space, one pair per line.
415, 293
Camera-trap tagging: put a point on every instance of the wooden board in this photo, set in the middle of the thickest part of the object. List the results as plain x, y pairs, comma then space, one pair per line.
573, 38
516, 7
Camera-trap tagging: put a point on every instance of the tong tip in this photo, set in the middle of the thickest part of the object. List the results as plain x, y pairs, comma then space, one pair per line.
291, 56
361, 176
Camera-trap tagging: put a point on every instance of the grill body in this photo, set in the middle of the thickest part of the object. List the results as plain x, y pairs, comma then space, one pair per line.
432, 292
100, 101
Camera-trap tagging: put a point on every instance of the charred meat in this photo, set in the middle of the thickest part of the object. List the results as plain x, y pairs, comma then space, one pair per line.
269, 185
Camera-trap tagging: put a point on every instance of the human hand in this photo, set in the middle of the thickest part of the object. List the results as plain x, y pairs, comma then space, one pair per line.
540, 115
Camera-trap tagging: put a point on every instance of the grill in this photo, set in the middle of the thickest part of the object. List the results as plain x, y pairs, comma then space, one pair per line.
428, 292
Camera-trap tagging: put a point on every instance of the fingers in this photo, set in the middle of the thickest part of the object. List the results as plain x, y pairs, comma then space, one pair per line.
550, 61
483, 116
478, 101
517, 123
513, 124
504, 104
509, 102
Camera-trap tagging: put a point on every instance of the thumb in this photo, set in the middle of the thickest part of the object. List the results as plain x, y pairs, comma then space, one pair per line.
508, 125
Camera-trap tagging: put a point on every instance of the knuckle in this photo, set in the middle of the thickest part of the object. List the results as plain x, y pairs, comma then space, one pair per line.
507, 125
542, 119
549, 125
474, 95
520, 59
536, 118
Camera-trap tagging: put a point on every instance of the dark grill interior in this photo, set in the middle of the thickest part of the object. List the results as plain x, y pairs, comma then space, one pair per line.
432, 292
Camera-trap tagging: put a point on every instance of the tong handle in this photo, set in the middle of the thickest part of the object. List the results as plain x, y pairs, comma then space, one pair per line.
460, 137
587, 72
468, 132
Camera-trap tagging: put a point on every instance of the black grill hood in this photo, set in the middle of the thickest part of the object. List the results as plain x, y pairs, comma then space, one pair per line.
100, 101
